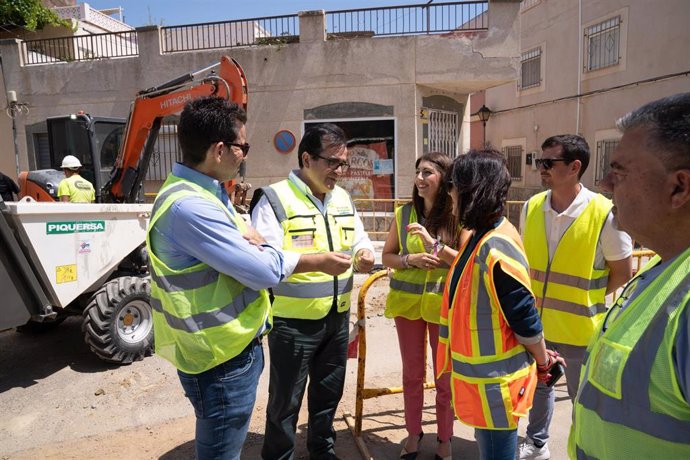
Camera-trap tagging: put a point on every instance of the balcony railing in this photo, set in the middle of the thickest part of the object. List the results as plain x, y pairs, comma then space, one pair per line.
411, 19
80, 48
395, 20
228, 34
84, 12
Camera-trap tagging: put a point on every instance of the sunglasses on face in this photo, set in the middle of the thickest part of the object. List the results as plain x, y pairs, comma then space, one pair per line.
244, 147
334, 163
547, 163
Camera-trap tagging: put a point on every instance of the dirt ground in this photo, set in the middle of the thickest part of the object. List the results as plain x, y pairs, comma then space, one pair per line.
58, 400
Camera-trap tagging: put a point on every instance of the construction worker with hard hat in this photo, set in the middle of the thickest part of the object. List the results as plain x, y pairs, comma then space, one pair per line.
74, 188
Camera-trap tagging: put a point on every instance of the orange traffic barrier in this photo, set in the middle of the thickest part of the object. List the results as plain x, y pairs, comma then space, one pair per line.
362, 393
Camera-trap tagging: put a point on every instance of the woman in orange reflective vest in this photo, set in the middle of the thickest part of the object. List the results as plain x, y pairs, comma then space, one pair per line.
420, 262
491, 333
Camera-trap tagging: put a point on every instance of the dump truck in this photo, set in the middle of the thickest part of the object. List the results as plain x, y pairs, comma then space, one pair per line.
61, 259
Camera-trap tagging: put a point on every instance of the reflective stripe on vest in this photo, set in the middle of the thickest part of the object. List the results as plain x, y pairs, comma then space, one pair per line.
414, 293
433, 286
570, 295
443, 331
493, 376
186, 281
202, 318
311, 290
629, 404
493, 369
311, 295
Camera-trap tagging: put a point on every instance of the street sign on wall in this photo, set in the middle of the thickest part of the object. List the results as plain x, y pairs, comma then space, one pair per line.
284, 141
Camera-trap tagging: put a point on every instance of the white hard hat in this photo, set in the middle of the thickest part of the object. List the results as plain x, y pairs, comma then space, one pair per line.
71, 162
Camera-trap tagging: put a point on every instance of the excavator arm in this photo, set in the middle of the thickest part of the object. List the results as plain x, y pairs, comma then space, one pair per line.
225, 79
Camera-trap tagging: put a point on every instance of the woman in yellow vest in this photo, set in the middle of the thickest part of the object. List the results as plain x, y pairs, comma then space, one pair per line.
416, 290
491, 334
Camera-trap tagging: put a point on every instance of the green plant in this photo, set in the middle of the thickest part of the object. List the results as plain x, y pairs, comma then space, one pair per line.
30, 14
280, 41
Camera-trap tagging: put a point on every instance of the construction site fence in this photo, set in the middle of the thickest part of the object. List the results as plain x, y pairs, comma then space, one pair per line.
377, 214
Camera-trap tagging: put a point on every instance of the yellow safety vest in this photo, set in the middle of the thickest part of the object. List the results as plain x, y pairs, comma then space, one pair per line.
493, 376
77, 188
414, 293
201, 317
630, 404
571, 293
311, 295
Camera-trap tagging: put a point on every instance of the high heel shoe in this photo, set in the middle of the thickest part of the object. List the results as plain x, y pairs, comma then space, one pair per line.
405, 455
448, 457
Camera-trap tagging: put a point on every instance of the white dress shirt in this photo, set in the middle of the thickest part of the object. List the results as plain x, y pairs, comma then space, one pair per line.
266, 223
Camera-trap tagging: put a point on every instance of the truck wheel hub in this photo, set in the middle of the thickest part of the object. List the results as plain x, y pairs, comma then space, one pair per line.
134, 322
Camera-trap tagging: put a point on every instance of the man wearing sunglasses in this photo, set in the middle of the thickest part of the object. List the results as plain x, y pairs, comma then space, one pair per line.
323, 240
209, 274
576, 258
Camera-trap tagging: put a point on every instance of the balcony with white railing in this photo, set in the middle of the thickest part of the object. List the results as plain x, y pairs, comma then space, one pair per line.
84, 13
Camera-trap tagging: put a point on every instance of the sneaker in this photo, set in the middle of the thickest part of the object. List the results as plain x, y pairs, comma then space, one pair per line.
527, 450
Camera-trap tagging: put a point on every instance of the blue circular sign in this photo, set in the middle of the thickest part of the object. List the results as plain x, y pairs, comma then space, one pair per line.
284, 141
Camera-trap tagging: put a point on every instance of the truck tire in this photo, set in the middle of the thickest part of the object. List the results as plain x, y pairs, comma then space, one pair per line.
118, 321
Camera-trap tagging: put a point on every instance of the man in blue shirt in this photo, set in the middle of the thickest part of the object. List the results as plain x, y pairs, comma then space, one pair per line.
209, 273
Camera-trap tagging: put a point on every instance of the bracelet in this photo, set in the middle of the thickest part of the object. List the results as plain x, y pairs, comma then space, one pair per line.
546, 364
404, 262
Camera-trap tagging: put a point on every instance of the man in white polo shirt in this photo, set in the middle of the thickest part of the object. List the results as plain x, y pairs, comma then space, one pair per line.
576, 258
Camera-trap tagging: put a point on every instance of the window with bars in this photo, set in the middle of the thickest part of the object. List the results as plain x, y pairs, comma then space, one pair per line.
165, 153
443, 132
603, 44
530, 68
513, 154
604, 150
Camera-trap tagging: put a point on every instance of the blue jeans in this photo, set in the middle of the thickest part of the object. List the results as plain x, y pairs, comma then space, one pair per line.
223, 398
496, 444
545, 397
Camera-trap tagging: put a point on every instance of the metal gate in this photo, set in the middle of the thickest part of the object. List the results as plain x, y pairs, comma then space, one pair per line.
443, 132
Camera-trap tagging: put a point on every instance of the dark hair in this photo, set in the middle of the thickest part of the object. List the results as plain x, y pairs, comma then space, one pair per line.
482, 181
318, 138
574, 148
206, 121
668, 123
440, 218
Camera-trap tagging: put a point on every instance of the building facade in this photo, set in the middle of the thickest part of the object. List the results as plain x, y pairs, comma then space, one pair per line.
397, 95
583, 64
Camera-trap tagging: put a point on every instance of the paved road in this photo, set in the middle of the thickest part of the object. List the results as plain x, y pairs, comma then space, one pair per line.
58, 400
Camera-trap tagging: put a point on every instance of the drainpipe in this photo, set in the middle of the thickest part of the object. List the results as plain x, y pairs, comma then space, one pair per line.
14, 123
579, 65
